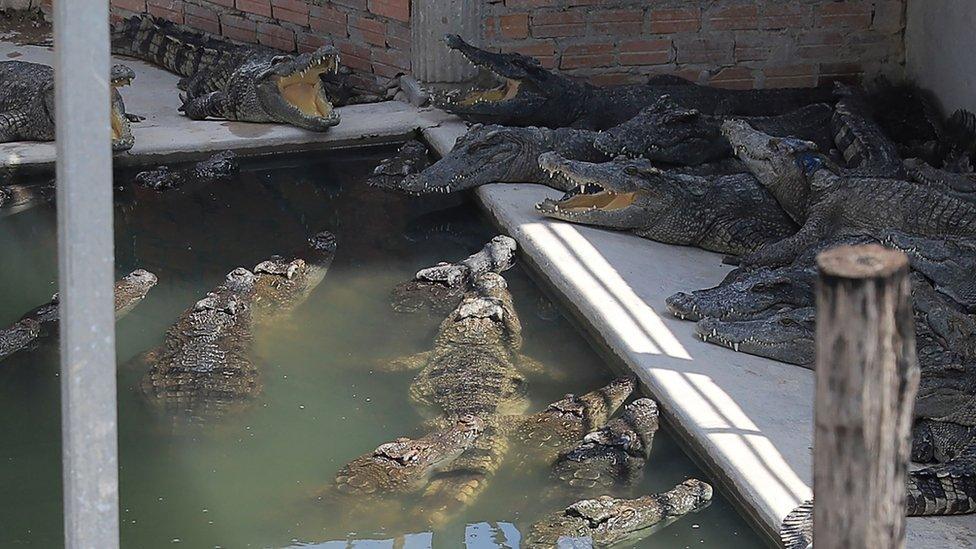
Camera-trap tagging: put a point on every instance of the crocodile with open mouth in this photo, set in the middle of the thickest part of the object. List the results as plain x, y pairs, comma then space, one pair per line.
130, 290
405, 465
605, 521
533, 96
613, 455
668, 133
439, 289
232, 81
204, 366
730, 214
27, 104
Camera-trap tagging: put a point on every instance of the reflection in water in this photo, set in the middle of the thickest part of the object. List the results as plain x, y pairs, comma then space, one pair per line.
251, 481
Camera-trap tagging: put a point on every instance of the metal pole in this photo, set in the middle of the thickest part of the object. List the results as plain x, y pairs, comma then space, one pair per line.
85, 262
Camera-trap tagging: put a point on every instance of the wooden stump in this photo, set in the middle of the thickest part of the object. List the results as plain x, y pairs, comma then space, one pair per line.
867, 377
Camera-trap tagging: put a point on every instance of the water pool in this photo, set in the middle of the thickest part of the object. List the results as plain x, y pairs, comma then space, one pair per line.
248, 481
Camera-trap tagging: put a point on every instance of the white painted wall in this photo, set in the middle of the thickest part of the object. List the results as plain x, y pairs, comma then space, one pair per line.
940, 44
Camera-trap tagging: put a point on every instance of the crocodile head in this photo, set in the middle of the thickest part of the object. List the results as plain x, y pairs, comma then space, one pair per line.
746, 294
485, 316
527, 94
607, 520
285, 283
769, 158
785, 335
485, 154
290, 89
122, 139
666, 132
622, 194
405, 464
132, 289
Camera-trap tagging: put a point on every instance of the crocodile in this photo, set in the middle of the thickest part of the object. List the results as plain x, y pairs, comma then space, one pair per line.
606, 520
220, 166
865, 146
909, 117
785, 335
960, 185
203, 367
853, 204
730, 214
563, 423
130, 290
405, 465
614, 454
230, 81
499, 154
27, 104
439, 289
18, 197
476, 367
530, 95
958, 143
411, 157
667, 133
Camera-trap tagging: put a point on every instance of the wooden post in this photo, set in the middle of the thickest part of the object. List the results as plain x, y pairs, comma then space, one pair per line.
867, 376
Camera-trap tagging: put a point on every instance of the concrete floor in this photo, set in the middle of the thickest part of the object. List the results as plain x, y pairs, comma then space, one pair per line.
748, 418
166, 134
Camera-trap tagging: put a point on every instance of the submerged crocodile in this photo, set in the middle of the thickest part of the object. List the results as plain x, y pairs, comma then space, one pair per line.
405, 465
27, 104
665, 132
730, 214
412, 157
219, 166
614, 454
606, 520
43, 320
440, 288
533, 96
221, 79
499, 154
16, 197
204, 365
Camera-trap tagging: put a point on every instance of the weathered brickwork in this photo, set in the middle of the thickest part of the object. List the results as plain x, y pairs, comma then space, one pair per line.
733, 43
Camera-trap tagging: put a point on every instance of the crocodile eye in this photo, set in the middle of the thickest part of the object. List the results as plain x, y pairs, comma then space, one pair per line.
631, 170
278, 59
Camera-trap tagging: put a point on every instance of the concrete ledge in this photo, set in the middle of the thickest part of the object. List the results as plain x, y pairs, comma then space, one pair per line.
750, 420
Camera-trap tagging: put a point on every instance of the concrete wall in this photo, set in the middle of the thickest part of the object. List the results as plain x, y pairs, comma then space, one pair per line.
940, 44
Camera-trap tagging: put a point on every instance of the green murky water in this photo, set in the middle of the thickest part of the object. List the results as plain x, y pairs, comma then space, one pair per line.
248, 481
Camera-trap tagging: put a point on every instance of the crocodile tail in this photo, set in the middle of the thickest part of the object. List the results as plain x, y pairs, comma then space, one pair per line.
176, 48
796, 532
946, 489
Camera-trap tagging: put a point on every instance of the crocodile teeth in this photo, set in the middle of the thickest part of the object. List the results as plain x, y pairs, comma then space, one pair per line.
735, 347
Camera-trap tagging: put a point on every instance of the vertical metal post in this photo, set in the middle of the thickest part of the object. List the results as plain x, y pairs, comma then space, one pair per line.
430, 20
85, 262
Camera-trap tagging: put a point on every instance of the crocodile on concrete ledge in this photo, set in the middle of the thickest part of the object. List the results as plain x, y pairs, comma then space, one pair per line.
43, 320
533, 96
232, 81
605, 521
731, 214
668, 133
614, 454
439, 289
27, 103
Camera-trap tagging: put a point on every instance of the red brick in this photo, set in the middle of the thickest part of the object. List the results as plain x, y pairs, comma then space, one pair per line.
238, 28
353, 55
819, 44
394, 9
490, 28
797, 76
276, 36
734, 18
171, 10
370, 30
545, 52
856, 15
645, 52
530, 3
398, 36
709, 50
328, 20
257, 7
615, 79
515, 26
889, 16
558, 23
202, 18
225, 3
390, 63
848, 73
293, 11
137, 6
307, 42
617, 22
667, 21
358, 5
587, 55
733, 77
784, 16
693, 74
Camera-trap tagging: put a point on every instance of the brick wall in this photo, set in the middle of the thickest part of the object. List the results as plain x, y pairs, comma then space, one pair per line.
733, 43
